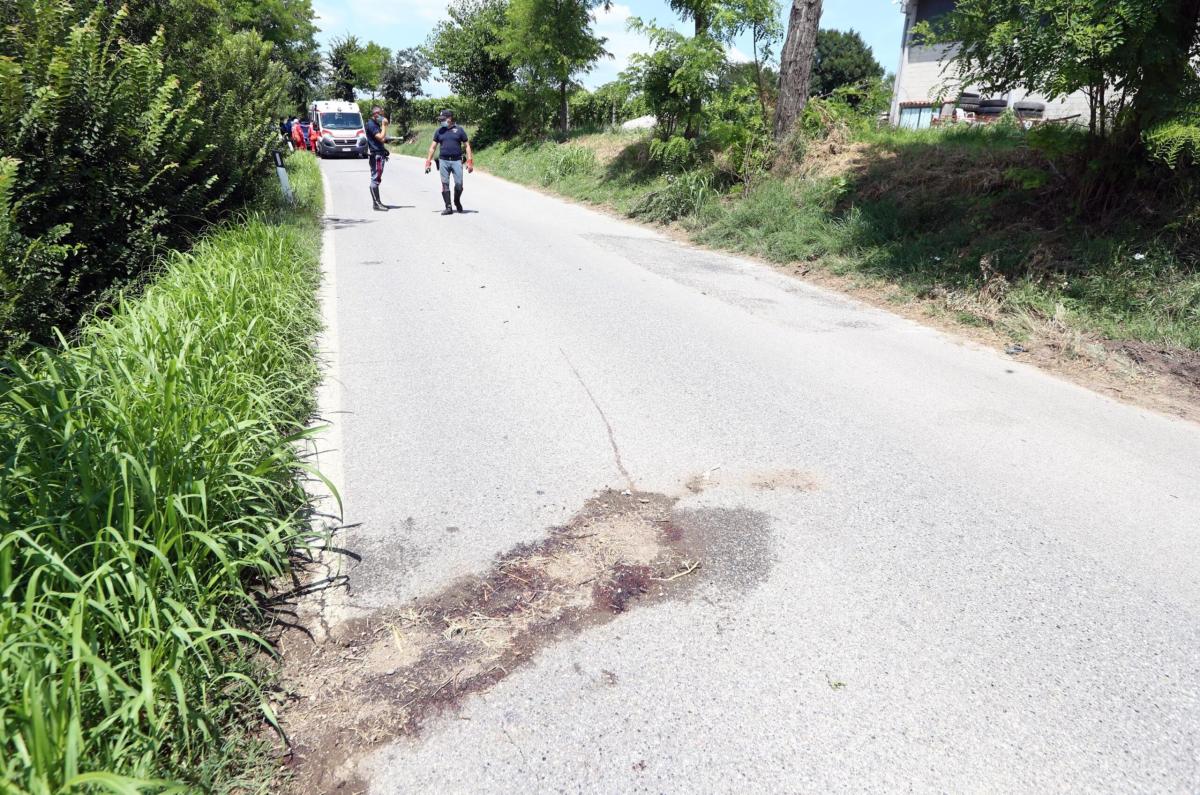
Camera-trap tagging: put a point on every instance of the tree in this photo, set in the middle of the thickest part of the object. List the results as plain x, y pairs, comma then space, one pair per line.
466, 51
796, 62
701, 12
401, 84
1134, 59
550, 41
720, 22
760, 18
367, 65
288, 26
342, 52
192, 27
842, 59
679, 74
188, 26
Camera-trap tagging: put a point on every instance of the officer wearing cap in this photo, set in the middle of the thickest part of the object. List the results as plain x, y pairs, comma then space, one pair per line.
452, 139
376, 130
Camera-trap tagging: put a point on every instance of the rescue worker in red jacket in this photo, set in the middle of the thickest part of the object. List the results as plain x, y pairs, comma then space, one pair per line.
301, 131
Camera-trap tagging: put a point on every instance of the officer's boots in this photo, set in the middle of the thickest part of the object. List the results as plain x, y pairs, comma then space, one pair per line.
446, 198
375, 199
458, 198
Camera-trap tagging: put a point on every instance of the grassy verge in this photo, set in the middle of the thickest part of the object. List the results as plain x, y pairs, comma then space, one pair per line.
982, 220
148, 491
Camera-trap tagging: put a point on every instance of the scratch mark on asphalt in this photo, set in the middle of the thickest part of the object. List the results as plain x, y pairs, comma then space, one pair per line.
612, 437
520, 750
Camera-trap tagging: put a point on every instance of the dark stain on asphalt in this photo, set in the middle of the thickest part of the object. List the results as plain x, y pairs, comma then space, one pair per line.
736, 544
383, 676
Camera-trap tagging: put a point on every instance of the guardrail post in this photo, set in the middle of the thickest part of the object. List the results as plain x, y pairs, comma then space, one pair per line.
283, 178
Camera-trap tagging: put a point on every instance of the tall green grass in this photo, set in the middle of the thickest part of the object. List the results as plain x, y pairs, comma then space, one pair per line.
149, 489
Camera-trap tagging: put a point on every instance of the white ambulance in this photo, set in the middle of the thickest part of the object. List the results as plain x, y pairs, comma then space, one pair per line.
339, 129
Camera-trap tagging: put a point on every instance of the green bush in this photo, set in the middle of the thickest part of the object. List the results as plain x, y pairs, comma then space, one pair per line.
738, 134
32, 271
239, 86
118, 158
675, 153
148, 490
684, 195
1174, 142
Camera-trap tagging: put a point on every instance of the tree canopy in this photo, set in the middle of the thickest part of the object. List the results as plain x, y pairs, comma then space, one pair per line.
466, 50
549, 41
401, 84
842, 59
342, 80
367, 65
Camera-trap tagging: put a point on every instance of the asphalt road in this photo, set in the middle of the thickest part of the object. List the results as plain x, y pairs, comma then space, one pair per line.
991, 581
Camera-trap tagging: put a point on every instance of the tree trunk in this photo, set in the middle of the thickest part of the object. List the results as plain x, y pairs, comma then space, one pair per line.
696, 103
795, 63
564, 119
758, 85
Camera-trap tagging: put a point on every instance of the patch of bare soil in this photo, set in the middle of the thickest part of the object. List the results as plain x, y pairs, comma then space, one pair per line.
1179, 363
381, 676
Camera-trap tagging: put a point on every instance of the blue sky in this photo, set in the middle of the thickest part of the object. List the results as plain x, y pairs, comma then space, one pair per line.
407, 23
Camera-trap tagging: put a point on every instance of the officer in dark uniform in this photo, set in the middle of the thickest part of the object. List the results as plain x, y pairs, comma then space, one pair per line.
377, 152
452, 139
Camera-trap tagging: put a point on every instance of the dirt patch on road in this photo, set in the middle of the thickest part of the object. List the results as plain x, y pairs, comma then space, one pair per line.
381, 677
759, 480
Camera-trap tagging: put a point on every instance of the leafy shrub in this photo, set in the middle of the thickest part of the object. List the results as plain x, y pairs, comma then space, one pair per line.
676, 77
1056, 141
737, 132
675, 153
239, 83
1173, 142
119, 159
32, 272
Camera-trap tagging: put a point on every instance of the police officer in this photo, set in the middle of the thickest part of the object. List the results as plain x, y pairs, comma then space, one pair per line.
377, 152
451, 138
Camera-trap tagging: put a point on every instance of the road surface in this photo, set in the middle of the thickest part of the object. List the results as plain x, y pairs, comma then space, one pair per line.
936, 569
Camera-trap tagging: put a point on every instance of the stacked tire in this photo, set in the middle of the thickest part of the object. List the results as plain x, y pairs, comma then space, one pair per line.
992, 107
968, 102
1029, 110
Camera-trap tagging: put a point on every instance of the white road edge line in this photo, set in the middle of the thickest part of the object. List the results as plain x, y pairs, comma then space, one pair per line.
326, 443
